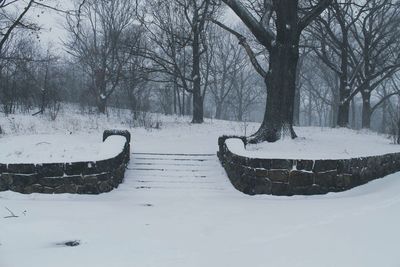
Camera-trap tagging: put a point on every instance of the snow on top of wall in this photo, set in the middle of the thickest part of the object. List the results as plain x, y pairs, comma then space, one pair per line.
319, 143
58, 148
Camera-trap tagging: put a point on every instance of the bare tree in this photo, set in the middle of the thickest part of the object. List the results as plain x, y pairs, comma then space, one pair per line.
227, 60
335, 48
281, 40
247, 89
378, 39
178, 29
96, 41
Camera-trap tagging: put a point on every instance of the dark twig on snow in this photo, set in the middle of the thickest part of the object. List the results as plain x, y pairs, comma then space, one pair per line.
12, 215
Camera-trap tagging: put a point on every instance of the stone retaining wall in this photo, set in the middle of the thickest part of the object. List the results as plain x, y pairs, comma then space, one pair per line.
302, 177
93, 177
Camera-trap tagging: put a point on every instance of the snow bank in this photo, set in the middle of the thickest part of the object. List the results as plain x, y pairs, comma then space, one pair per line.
58, 148
319, 143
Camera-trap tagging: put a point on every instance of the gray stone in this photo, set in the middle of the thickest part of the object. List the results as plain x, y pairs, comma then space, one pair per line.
35, 188
300, 178
75, 168
325, 165
7, 178
306, 165
326, 179
104, 176
24, 179
280, 189
281, 176
51, 181
48, 190
90, 179
21, 168
50, 169
105, 187
281, 164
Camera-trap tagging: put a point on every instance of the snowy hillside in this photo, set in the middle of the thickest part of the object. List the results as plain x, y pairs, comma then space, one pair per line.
177, 208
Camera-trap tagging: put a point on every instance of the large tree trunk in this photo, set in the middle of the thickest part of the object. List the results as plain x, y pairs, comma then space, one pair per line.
343, 115
281, 84
281, 78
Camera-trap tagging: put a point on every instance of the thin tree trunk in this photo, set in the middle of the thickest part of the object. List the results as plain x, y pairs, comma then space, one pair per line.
366, 111
198, 112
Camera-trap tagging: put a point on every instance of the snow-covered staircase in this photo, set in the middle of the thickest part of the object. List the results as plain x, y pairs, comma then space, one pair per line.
165, 171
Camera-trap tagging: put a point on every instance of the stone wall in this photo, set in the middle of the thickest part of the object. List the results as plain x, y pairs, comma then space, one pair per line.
92, 177
302, 177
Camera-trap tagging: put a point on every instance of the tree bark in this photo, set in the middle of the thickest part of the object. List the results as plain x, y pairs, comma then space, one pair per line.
101, 105
218, 111
366, 111
281, 77
344, 89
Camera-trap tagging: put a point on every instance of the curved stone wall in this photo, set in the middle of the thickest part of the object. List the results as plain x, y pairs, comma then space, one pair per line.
302, 177
92, 177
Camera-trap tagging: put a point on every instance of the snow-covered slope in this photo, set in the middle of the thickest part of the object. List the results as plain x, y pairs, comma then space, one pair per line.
180, 210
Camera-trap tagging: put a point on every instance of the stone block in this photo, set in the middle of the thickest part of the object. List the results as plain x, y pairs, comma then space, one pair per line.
48, 190
52, 182
74, 179
344, 181
262, 173
35, 188
105, 165
281, 176
343, 166
17, 188
300, 179
7, 178
280, 189
90, 180
66, 188
24, 179
3, 185
3, 167
326, 179
104, 176
91, 189
281, 164
325, 165
50, 169
90, 168
105, 187
266, 163
306, 165
21, 168
75, 168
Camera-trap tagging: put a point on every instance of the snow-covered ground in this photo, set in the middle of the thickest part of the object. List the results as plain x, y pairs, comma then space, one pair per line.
52, 148
180, 210
320, 143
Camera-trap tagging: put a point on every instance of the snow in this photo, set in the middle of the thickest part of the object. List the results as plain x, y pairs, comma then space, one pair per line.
319, 143
180, 218
58, 148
